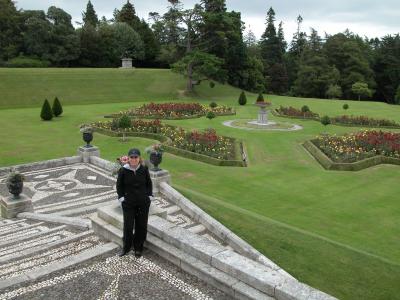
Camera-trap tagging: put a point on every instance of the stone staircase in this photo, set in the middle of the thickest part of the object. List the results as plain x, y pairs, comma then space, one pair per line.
180, 236
30, 249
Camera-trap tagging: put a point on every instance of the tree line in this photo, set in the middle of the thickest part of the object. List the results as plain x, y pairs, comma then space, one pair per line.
207, 43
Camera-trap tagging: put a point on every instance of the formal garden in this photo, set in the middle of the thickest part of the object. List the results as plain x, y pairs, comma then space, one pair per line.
335, 230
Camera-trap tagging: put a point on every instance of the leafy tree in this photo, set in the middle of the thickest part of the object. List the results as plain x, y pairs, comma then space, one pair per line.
242, 98
314, 74
345, 52
64, 42
213, 105
90, 16
345, 106
387, 67
253, 78
361, 90
38, 36
46, 114
198, 66
10, 31
57, 108
90, 39
334, 91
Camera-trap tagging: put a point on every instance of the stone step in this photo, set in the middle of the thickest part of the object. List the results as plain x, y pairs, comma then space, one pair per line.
198, 229
112, 214
30, 275
83, 210
172, 209
76, 222
75, 203
30, 237
44, 243
210, 275
66, 202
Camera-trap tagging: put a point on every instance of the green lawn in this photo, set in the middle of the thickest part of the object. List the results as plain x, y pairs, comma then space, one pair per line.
337, 231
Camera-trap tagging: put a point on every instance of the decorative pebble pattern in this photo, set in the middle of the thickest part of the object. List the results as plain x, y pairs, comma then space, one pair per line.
42, 240
116, 268
46, 258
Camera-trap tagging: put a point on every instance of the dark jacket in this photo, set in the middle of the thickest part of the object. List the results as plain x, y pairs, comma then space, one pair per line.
135, 187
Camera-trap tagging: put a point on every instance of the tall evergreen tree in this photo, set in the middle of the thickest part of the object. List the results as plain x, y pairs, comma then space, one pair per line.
272, 48
90, 16
296, 48
127, 15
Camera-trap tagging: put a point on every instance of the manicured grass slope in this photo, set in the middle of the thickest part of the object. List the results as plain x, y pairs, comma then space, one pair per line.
337, 231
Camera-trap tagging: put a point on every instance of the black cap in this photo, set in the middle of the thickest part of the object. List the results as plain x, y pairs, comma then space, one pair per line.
134, 152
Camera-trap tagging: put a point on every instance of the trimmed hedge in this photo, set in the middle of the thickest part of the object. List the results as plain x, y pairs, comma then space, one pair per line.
177, 151
328, 164
277, 114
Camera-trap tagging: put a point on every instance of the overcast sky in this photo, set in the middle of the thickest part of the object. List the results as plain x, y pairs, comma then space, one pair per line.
370, 18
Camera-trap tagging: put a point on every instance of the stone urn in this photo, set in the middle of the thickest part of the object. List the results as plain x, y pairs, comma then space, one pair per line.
155, 159
87, 135
15, 183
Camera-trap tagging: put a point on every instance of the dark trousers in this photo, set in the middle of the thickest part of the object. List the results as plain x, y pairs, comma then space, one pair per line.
137, 217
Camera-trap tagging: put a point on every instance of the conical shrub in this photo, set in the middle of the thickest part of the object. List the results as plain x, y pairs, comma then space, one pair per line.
46, 113
242, 98
57, 108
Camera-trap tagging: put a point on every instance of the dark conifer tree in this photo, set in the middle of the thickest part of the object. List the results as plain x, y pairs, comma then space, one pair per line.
46, 114
242, 98
57, 108
90, 16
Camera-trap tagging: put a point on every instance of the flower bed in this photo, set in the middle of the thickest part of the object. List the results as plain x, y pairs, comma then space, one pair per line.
175, 111
296, 113
363, 121
358, 146
206, 143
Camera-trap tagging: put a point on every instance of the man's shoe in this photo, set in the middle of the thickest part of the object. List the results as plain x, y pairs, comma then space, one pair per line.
122, 253
138, 254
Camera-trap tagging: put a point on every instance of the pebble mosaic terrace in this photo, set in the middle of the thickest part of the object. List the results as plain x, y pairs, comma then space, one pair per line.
78, 190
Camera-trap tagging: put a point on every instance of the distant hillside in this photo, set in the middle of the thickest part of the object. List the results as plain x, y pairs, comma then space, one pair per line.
29, 87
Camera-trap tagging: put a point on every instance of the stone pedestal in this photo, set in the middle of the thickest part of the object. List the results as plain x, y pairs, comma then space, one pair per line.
126, 63
157, 177
87, 152
11, 206
262, 116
